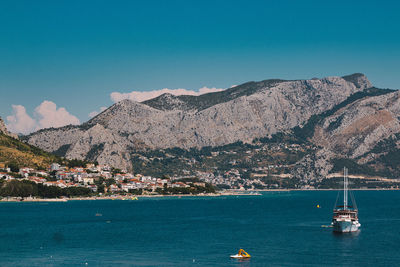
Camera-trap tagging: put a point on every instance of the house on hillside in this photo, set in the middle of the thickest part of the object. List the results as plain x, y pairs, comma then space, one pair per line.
55, 167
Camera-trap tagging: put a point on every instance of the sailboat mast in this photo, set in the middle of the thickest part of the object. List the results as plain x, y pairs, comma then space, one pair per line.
345, 181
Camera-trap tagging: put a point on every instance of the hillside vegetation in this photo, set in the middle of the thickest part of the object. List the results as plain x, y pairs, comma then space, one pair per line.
15, 152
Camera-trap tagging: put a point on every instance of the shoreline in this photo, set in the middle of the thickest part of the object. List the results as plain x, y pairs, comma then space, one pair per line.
327, 189
127, 197
256, 192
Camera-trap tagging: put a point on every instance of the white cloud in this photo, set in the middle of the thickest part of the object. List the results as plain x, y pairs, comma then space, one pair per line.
49, 116
143, 96
95, 112
20, 121
46, 115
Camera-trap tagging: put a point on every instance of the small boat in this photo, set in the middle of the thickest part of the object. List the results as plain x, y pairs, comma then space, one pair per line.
241, 255
345, 218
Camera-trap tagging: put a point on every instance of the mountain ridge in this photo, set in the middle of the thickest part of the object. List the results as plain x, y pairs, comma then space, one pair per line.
205, 101
242, 113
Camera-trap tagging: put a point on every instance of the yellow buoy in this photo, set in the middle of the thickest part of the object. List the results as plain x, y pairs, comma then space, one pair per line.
318, 206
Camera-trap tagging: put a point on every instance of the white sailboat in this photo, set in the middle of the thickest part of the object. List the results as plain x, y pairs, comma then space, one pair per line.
345, 218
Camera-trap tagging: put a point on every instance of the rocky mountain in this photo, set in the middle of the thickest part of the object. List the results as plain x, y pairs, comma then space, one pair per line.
360, 130
363, 132
242, 113
354, 130
3, 130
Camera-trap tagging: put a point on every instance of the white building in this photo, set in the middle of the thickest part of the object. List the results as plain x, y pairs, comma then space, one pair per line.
54, 167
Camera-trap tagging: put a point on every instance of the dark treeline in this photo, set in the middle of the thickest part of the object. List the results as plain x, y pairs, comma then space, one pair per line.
193, 189
24, 188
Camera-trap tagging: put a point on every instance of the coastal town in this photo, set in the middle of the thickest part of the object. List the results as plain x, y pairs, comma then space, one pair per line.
234, 168
188, 174
96, 180
105, 180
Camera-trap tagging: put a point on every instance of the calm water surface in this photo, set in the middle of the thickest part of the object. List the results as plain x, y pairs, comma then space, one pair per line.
277, 229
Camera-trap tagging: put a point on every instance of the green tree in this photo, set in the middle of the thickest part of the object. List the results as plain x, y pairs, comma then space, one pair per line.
14, 167
100, 188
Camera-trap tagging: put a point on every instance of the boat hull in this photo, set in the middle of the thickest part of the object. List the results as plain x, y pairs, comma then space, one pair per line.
239, 257
345, 226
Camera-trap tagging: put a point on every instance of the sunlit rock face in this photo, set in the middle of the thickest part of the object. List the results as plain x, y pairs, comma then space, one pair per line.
241, 113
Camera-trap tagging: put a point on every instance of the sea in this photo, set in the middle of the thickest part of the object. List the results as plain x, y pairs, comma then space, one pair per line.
275, 228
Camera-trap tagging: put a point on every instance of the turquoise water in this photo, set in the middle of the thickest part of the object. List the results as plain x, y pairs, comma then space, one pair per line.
277, 229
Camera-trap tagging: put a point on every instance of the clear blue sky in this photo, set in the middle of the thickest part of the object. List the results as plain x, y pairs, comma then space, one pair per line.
75, 53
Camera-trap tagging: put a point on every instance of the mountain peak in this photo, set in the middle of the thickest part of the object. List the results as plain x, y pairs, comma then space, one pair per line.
168, 101
126, 102
359, 80
200, 102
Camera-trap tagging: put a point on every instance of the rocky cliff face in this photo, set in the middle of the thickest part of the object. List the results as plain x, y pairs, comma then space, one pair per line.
3, 130
354, 130
365, 131
242, 113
